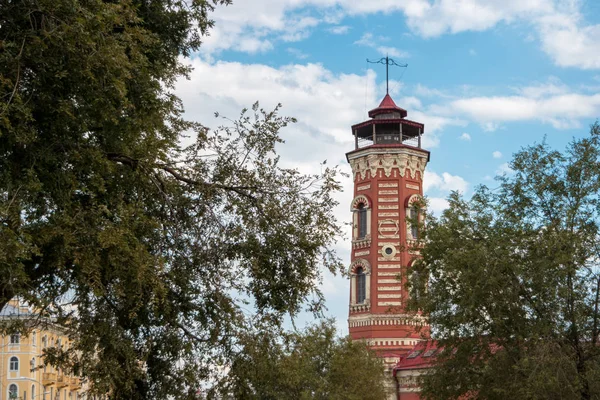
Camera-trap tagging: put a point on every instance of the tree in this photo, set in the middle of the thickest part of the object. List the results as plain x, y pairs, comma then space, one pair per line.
313, 364
512, 281
143, 249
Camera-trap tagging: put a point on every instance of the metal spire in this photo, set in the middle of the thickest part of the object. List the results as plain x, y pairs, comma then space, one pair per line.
387, 61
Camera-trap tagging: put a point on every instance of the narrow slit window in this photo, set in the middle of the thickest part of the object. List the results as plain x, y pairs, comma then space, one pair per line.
414, 225
362, 221
361, 285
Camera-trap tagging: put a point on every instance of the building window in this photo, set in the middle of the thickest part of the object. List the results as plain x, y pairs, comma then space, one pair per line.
414, 216
361, 285
14, 364
15, 338
360, 274
362, 221
45, 341
13, 391
414, 227
32, 392
415, 285
34, 338
361, 210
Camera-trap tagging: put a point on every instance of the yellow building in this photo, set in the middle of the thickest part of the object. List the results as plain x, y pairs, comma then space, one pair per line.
23, 373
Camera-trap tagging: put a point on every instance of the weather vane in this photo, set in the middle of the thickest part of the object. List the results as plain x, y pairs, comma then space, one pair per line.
387, 61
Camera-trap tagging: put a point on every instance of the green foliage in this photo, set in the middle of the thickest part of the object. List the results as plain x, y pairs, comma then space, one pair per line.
314, 364
140, 247
510, 280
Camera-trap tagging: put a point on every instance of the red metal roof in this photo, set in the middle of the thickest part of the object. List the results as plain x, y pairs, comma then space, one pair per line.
421, 356
387, 105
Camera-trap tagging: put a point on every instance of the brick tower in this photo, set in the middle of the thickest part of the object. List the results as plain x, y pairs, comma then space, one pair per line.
387, 166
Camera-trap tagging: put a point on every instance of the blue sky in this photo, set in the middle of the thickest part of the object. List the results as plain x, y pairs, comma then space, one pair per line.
486, 77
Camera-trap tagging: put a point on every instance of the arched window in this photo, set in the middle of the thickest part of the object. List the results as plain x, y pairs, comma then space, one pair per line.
414, 216
32, 364
415, 285
32, 392
14, 364
361, 209
361, 285
13, 391
414, 226
360, 281
34, 338
362, 221
45, 341
15, 338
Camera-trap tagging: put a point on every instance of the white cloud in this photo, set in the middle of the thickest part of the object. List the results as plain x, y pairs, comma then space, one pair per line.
339, 30
392, 52
446, 182
465, 136
497, 154
299, 54
554, 104
559, 25
436, 205
369, 40
472, 52
569, 41
504, 169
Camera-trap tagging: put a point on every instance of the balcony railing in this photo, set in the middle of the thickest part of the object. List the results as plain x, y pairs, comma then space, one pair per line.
62, 381
48, 378
75, 383
387, 138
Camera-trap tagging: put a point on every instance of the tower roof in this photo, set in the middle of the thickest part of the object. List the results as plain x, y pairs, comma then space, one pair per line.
387, 105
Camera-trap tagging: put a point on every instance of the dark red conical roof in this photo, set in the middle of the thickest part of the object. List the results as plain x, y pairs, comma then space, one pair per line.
387, 105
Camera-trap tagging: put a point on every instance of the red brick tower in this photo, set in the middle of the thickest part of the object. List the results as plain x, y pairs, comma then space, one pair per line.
387, 165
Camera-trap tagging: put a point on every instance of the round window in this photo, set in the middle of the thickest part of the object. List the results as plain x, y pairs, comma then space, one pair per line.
388, 251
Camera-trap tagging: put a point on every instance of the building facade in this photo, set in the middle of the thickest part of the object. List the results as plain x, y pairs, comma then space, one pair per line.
23, 373
387, 164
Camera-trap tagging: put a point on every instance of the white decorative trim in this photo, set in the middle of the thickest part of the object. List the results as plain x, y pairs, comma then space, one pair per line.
387, 206
383, 192
363, 187
399, 160
362, 243
388, 281
388, 184
388, 266
389, 296
387, 320
360, 199
388, 231
389, 303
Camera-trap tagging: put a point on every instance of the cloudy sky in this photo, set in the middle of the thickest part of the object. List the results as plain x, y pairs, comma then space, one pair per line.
486, 77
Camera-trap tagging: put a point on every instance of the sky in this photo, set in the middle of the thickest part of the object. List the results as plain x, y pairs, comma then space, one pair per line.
486, 77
